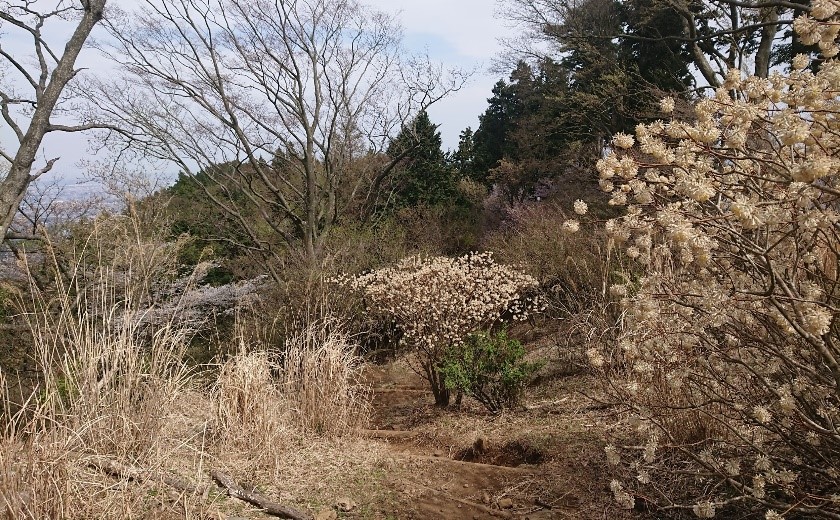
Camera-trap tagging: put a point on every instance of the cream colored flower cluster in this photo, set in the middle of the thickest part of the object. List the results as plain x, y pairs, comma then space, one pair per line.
438, 301
811, 31
732, 327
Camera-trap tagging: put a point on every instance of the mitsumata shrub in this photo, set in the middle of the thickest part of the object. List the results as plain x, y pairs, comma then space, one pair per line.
439, 301
731, 339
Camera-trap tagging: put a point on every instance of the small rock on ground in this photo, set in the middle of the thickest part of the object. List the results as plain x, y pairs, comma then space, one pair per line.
345, 505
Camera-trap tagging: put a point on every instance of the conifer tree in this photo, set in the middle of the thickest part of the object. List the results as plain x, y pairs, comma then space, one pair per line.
423, 176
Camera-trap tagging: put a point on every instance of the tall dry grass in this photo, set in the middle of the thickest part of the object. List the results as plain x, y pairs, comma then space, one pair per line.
248, 406
269, 404
106, 377
311, 385
108, 371
112, 384
574, 271
320, 378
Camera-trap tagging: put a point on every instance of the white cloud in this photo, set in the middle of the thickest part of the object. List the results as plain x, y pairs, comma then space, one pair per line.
469, 26
456, 32
461, 110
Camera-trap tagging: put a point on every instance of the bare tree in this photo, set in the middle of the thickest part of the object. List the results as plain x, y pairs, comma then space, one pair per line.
274, 107
28, 114
50, 205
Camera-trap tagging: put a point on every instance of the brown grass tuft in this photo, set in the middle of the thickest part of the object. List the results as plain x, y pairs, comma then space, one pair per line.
320, 381
249, 408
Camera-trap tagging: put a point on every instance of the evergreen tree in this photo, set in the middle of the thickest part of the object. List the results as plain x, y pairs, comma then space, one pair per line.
462, 159
527, 133
490, 142
554, 117
423, 176
657, 53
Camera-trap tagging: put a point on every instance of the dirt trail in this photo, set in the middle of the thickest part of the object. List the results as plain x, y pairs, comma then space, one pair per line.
543, 462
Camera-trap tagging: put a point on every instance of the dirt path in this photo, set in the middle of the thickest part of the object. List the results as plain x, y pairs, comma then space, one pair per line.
542, 462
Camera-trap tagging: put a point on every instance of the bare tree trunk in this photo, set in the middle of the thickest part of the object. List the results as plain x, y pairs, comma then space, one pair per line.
48, 88
699, 58
437, 382
768, 34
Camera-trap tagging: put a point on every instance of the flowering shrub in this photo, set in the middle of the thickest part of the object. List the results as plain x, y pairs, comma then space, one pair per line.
439, 301
731, 340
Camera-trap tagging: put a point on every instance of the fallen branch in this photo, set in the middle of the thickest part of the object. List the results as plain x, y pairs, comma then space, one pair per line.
480, 466
388, 434
117, 469
133, 473
252, 497
481, 507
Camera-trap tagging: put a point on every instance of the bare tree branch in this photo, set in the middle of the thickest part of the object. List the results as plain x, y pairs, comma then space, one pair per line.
269, 105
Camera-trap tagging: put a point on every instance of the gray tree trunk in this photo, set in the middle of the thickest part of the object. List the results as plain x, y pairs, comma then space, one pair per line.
47, 93
765, 47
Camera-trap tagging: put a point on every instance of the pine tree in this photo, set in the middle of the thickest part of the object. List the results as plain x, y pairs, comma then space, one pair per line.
462, 158
423, 176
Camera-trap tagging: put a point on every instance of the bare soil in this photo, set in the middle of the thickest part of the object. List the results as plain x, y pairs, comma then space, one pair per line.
544, 461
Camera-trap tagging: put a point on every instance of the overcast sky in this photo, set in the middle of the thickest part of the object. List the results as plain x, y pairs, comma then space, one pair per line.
461, 33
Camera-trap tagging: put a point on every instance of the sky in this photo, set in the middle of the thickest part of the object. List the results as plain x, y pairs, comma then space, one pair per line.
456, 33
461, 33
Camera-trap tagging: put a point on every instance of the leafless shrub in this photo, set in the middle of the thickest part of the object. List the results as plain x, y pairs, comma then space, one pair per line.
574, 271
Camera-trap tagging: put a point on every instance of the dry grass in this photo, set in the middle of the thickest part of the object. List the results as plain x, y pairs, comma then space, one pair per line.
34, 466
311, 386
106, 373
112, 384
106, 380
320, 379
569, 267
250, 413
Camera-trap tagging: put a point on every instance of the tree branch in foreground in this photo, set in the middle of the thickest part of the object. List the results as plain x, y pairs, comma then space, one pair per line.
272, 508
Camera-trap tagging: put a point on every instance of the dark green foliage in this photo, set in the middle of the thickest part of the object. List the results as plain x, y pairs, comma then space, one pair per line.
539, 129
425, 194
423, 177
462, 159
218, 276
554, 117
489, 368
490, 142
657, 53
213, 233
194, 213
